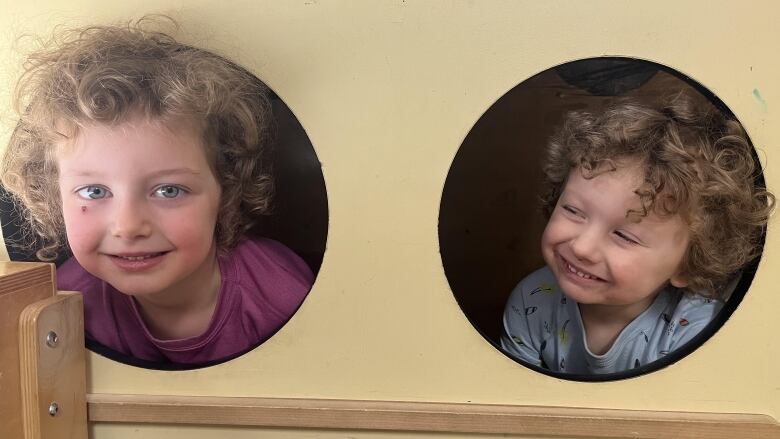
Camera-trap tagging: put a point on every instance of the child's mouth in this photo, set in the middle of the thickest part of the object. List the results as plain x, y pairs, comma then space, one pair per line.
138, 258
137, 262
579, 272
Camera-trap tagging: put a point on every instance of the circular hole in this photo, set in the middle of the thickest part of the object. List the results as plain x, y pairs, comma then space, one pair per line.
267, 281
299, 217
491, 220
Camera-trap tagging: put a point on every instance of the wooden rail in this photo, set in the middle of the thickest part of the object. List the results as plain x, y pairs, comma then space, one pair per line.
427, 416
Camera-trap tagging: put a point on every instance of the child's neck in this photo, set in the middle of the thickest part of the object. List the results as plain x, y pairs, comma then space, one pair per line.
604, 323
185, 310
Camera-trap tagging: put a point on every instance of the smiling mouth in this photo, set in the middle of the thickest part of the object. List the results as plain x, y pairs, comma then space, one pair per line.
137, 262
138, 257
579, 272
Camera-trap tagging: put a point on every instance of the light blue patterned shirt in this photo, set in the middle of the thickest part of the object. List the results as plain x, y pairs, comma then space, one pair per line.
543, 327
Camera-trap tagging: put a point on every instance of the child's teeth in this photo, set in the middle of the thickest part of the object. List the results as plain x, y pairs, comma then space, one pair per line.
579, 273
137, 258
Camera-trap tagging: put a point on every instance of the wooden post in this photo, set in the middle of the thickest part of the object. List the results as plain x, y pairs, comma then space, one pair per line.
20, 285
31, 372
53, 385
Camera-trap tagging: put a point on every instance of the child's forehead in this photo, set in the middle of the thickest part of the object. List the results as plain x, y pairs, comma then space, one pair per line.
133, 125
629, 170
166, 135
626, 178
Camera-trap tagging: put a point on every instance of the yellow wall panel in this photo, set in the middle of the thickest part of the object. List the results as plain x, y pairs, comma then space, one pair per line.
387, 91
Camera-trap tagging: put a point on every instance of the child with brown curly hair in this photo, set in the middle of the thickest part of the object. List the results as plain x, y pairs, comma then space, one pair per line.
147, 156
651, 211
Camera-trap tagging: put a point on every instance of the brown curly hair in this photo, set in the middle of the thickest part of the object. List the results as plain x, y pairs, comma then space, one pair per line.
697, 163
107, 74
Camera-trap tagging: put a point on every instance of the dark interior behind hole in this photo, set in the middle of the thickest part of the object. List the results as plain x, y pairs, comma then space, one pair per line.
300, 206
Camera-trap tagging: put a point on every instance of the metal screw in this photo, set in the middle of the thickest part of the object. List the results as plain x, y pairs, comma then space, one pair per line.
52, 339
53, 409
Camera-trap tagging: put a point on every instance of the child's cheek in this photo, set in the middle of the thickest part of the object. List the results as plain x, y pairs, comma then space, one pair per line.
190, 231
79, 226
548, 241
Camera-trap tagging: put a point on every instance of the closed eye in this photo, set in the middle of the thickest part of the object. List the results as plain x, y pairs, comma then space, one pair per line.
572, 210
93, 192
626, 237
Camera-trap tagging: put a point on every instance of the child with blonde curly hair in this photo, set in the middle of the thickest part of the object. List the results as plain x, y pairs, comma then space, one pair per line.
146, 158
652, 210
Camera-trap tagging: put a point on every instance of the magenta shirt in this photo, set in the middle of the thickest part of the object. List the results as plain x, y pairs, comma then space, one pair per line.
263, 284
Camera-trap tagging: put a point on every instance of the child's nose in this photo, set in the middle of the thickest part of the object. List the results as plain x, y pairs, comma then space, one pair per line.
130, 221
585, 246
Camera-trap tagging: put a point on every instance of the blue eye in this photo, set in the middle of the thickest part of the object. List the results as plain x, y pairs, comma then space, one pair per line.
168, 191
93, 192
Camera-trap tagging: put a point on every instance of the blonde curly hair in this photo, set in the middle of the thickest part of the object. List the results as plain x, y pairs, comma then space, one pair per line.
697, 163
107, 74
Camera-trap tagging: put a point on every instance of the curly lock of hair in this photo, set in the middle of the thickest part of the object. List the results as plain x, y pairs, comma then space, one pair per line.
696, 162
108, 74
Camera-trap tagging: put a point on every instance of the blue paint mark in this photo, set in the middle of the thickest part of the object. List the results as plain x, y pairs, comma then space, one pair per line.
760, 99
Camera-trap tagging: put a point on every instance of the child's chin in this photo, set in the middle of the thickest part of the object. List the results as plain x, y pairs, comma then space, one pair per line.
135, 289
575, 290
136, 293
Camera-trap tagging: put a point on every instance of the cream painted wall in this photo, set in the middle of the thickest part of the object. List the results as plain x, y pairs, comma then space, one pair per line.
386, 91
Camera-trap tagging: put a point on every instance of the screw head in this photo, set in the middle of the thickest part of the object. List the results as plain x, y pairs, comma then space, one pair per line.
52, 339
53, 409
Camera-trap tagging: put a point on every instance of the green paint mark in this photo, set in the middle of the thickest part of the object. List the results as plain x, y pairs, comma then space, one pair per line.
760, 99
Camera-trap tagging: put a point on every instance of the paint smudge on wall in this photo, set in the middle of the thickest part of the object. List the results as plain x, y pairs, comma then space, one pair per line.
759, 98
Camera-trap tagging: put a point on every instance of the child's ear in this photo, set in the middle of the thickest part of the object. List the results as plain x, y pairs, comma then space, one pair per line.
678, 281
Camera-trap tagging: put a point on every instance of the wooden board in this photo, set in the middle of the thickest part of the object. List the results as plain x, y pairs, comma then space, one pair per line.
53, 382
432, 417
20, 285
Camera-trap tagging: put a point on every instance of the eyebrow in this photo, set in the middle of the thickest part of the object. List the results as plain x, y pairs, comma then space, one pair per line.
161, 172
174, 171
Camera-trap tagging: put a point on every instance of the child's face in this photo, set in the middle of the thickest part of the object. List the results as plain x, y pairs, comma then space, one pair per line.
601, 257
140, 205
